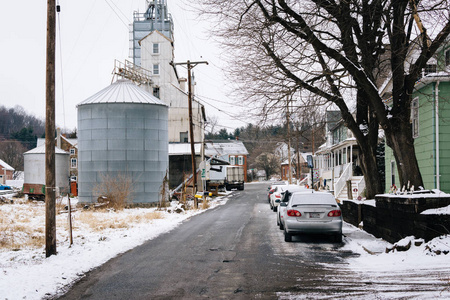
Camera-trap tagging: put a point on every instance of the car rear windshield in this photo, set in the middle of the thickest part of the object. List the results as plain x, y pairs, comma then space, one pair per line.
313, 198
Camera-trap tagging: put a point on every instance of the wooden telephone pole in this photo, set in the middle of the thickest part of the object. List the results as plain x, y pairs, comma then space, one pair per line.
289, 138
50, 182
190, 66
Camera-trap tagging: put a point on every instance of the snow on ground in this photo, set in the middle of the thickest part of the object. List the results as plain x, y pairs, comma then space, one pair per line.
97, 236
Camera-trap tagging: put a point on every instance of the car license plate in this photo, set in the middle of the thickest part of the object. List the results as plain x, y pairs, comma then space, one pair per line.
314, 215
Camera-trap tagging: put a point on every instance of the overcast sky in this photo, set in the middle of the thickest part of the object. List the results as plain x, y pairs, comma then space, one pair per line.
94, 33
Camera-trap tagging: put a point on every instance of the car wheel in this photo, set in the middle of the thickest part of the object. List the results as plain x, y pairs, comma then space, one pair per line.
338, 237
275, 208
271, 207
281, 226
287, 236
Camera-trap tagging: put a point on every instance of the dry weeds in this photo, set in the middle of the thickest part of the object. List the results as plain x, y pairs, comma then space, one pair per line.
22, 226
115, 190
16, 232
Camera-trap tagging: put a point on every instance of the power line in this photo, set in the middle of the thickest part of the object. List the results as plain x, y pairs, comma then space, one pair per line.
126, 25
221, 101
222, 111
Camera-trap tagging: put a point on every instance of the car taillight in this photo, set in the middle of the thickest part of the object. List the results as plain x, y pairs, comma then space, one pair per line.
334, 213
277, 196
293, 213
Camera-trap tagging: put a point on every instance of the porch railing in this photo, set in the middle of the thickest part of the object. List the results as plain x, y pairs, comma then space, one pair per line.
361, 186
342, 181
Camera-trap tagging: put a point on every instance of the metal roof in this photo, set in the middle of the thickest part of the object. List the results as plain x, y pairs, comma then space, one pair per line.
123, 91
231, 147
183, 149
41, 150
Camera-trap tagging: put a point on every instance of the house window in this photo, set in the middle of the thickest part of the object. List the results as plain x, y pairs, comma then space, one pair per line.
72, 151
232, 160
415, 117
155, 48
240, 160
430, 68
73, 163
184, 137
156, 92
156, 69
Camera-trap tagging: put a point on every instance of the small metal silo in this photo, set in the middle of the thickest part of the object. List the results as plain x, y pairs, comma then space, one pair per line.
34, 171
122, 129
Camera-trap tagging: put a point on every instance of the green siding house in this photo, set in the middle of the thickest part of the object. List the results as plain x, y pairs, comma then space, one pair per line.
430, 121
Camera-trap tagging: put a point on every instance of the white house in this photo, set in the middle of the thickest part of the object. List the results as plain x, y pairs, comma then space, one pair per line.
157, 55
337, 161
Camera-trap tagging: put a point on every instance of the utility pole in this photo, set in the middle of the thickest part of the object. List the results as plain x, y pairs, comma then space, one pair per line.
190, 66
50, 199
289, 139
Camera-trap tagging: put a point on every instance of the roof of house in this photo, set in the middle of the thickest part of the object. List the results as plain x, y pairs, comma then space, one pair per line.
231, 147
122, 91
151, 33
6, 166
183, 149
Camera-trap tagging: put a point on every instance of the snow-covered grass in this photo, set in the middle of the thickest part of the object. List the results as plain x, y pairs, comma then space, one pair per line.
97, 235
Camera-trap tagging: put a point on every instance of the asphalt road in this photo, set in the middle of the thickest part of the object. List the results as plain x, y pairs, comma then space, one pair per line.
234, 251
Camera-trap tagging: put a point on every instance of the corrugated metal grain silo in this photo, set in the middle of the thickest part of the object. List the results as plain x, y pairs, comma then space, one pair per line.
34, 171
122, 129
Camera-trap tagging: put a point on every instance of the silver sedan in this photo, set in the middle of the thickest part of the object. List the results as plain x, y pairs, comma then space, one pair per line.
311, 212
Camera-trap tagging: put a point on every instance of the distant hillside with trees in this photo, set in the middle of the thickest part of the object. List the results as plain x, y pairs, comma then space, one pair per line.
18, 133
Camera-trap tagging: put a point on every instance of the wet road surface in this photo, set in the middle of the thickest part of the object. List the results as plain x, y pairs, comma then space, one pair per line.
236, 251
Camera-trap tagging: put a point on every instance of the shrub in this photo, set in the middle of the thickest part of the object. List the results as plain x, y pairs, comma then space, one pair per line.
115, 191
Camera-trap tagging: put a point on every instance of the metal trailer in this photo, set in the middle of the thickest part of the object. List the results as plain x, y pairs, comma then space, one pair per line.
235, 178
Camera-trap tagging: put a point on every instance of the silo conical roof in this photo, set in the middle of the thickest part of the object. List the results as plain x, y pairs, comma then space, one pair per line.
123, 91
41, 150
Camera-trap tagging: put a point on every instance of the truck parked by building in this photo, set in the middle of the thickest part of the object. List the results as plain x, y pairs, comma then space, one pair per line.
234, 178
218, 174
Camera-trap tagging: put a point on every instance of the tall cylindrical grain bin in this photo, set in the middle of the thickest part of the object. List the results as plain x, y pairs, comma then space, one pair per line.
122, 131
34, 171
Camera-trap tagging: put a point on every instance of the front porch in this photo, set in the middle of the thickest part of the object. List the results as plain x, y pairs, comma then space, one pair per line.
337, 169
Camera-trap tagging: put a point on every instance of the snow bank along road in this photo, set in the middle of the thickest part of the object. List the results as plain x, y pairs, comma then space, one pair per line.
236, 251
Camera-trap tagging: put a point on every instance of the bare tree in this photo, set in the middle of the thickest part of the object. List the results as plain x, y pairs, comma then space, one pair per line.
12, 153
268, 162
211, 123
336, 53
